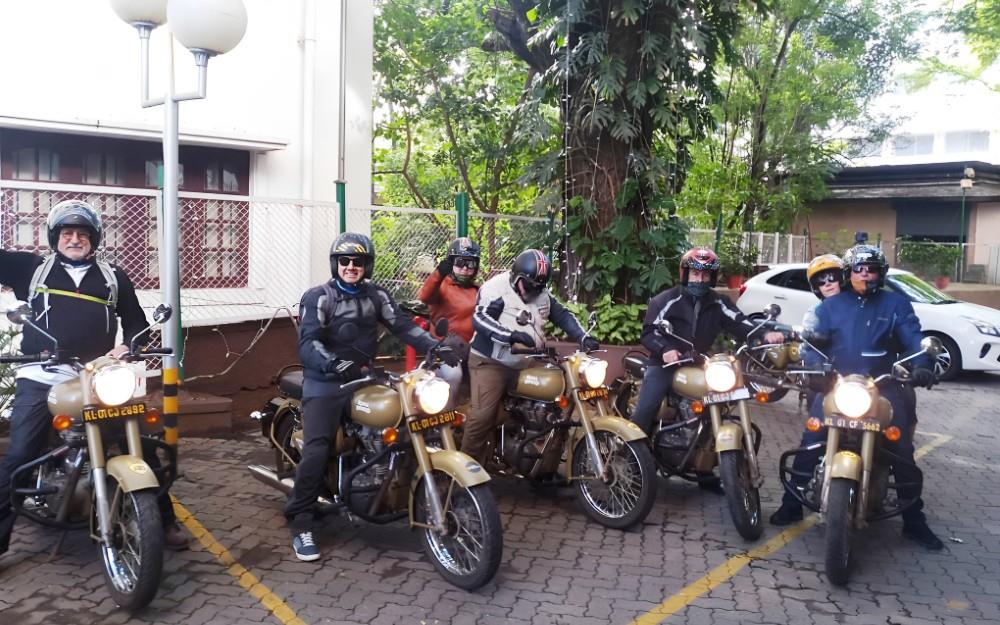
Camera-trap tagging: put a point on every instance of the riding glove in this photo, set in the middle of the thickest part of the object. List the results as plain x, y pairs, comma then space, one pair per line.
521, 337
924, 377
340, 370
589, 344
445, 266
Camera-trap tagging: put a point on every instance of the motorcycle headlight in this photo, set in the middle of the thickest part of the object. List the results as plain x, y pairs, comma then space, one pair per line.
115, 384
593, 372
432, 395
853, 399
720, 376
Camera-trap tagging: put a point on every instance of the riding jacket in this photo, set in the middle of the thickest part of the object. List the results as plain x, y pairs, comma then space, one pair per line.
500, 311
698, 320
450, 300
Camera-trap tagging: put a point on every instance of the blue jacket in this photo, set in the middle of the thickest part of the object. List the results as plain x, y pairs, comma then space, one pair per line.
867, 334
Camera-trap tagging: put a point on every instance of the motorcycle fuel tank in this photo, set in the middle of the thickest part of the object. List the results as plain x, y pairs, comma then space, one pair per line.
690, 382
780, 356
376, 407
545, 383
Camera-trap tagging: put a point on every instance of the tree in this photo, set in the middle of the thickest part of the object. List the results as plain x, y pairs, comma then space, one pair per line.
802, 75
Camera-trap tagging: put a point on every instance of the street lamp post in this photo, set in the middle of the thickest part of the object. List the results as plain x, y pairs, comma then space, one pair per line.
966, 183
206, 28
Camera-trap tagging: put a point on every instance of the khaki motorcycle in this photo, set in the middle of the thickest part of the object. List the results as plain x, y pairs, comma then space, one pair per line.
853, 485
557, 423
87, 480
395, 457
704, 422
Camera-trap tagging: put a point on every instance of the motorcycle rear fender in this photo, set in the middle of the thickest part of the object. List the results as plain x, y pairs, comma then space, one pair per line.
624, 428
846, 464
466, 471
729, 438
132, 473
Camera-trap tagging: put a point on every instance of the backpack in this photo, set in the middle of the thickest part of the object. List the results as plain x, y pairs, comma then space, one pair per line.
37, 284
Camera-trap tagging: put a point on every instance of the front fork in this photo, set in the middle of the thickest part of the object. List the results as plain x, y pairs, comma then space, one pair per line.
424, 462
746, 427
588, 430
95, 447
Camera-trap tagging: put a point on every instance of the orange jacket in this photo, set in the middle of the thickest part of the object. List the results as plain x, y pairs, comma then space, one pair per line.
450, 300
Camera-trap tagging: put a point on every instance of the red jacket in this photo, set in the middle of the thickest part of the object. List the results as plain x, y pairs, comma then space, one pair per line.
449, 300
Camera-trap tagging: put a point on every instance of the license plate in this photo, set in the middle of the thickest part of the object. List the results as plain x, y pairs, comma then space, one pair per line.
734, 395
96, 413
867, 425
419, 424
593, 393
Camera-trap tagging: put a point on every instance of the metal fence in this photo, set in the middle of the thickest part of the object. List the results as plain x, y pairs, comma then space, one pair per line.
979, 263
773, 248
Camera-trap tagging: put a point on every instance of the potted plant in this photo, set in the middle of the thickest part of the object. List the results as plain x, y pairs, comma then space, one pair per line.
931, 259
738, 259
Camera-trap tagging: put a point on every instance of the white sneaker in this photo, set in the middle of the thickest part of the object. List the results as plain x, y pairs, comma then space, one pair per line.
305, 547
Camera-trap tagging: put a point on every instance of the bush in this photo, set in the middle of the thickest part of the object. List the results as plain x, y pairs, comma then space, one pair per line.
737, 258
7, 340
617, 324
928, 257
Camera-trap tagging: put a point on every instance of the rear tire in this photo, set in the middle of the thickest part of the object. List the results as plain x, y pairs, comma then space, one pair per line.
743, 499
133, 562
628, 495
840, 511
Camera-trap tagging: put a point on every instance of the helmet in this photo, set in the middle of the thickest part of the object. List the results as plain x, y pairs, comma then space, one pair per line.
700, 258
353, 244
74, 213
532, 268
870, 256
822, 264
464, 247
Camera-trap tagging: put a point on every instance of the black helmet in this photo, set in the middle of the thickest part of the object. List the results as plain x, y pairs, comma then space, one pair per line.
532, 268
353, 244
74, 213
870, 256
463, 247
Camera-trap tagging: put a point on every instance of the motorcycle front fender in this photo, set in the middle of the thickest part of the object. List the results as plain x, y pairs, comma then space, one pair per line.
729, 438
625, 429
846, 464
466, 471
132, 473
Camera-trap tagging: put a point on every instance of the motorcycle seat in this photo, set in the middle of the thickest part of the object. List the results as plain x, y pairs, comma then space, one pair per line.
635, 365
290, 383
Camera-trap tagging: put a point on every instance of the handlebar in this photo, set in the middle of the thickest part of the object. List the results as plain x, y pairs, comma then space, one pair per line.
24, 359
163, 351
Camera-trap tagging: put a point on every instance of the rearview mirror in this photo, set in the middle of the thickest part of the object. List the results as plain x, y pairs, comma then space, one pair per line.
665, 326
162, 313
931, 345
20, 313
772, 311
524, 318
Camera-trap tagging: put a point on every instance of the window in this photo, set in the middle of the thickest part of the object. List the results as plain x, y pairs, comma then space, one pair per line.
228, 181
153, 175
864, 147
912, 145
967, 141
103, 169
32, 164
791, 279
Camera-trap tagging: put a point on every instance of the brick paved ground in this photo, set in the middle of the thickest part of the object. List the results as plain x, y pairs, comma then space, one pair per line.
559, 568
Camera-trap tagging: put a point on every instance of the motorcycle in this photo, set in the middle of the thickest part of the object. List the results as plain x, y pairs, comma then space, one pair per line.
557, 422
81, 483
395, 457
704, 422
851, 486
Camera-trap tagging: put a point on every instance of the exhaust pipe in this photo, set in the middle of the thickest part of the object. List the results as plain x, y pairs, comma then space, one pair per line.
285, 485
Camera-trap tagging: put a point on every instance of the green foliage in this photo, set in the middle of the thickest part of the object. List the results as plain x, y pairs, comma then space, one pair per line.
929, 258
832, 243
738, 258
8, 339
978, 22
617, 324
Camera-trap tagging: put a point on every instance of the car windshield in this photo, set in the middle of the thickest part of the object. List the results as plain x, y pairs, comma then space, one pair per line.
918, 290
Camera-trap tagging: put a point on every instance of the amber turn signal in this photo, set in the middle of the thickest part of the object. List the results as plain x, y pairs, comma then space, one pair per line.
61, 422
761, 397
563, 401
892, 433
152, 417
390, 436
813, 424
697, 407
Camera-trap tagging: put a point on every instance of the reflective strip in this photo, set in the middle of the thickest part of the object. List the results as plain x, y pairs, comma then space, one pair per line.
90, 298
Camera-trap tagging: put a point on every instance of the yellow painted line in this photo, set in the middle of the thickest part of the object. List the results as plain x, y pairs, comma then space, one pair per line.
271, 602
735, 564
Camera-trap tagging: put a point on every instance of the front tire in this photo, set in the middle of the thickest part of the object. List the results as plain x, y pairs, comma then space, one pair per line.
840, 511
627, 496
468, 554
133, 562
742, 497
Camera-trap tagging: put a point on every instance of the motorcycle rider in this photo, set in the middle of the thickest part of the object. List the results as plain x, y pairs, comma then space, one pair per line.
78, 300
696, 313
511, 308
863, 329
329, 362
450, 293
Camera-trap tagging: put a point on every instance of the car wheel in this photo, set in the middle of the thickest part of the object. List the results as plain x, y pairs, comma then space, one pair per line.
948, 364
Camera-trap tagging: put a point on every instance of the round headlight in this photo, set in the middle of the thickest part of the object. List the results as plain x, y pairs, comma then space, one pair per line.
720, 376
432, 395
593, 372
115, 384
852, 399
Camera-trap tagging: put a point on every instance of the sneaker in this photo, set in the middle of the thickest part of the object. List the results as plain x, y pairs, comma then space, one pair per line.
174, 537
787, 514
305, 547
920, 533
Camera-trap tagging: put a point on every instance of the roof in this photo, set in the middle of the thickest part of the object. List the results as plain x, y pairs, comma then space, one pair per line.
939, 181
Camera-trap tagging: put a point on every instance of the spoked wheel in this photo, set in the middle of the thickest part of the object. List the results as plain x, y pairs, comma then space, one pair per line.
468, 553
840, 512
625, 496
741, 495
773, 393
133, 562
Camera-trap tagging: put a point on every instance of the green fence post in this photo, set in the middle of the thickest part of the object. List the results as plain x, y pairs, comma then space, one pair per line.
342, 200
462, 208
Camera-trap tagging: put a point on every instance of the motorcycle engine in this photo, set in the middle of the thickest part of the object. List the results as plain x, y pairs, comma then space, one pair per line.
371, 444
529, 419
672, 446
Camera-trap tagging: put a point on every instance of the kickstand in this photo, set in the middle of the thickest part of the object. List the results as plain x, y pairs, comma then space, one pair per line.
58, 545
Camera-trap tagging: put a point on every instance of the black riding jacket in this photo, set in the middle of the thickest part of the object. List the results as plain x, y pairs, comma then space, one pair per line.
699, 320
84, 328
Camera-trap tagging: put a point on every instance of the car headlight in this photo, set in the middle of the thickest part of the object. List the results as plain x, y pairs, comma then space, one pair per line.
432, 395
853, 399
115, 384
984, 327
593, 372
720, 376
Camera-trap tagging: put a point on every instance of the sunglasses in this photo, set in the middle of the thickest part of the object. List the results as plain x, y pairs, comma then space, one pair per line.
344, 261
469, 263
864, 269
826, 278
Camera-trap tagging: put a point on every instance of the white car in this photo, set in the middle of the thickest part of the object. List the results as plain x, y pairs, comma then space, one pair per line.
970, 332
